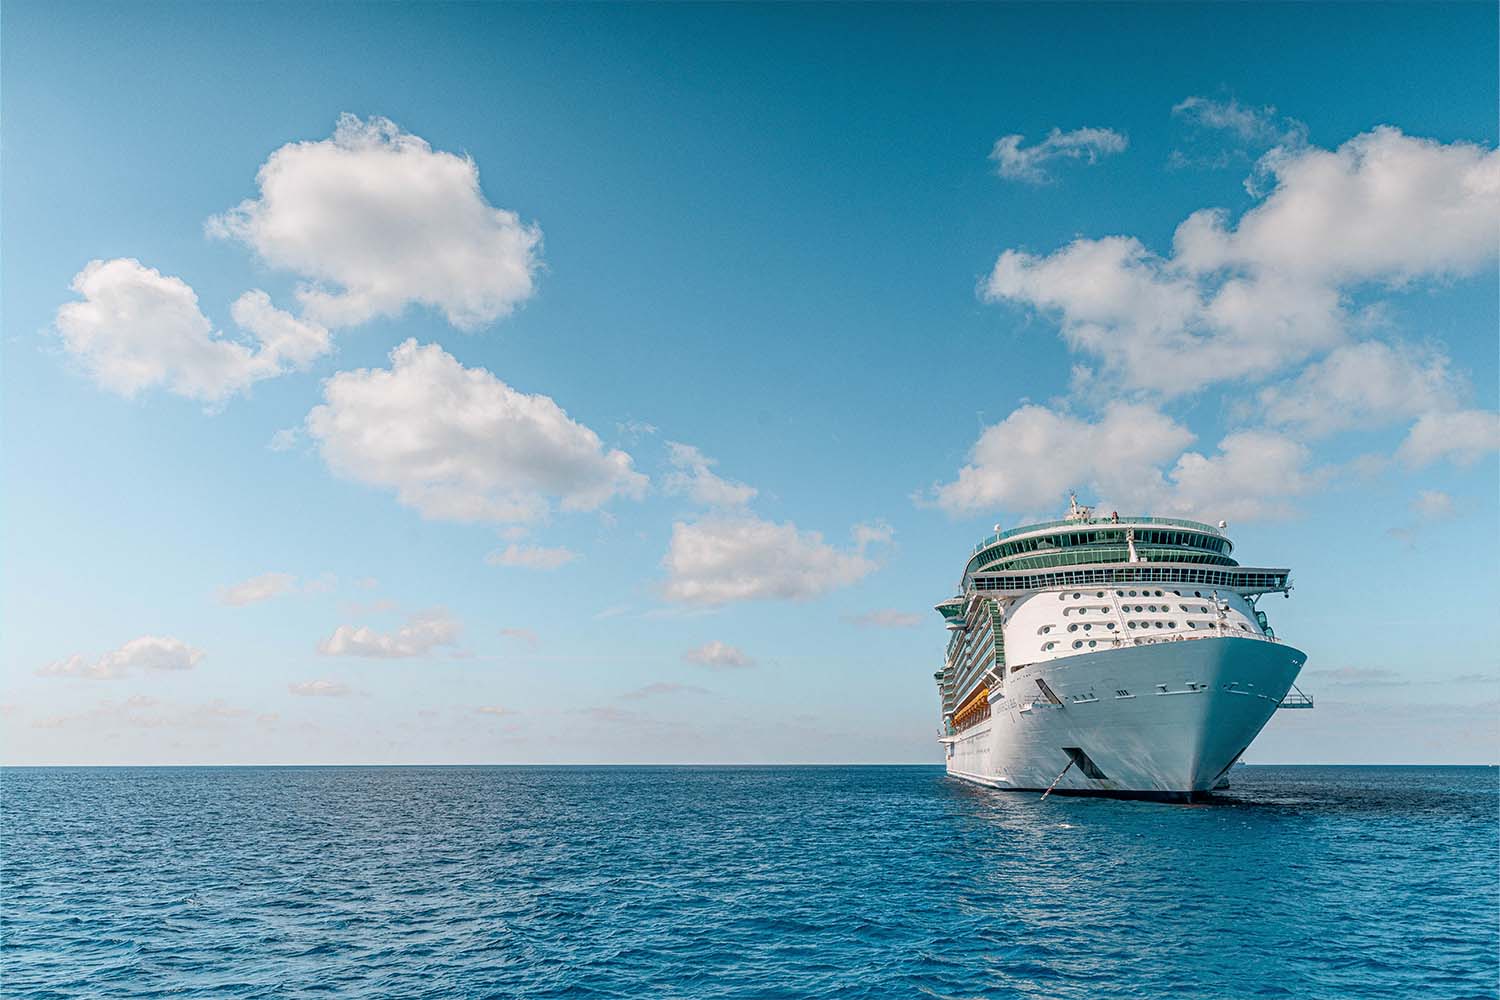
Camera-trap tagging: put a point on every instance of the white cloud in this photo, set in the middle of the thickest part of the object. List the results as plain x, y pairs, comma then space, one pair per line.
149, 652
139, 329
694, 477
458, 444
721, 559
885, 618
1463, 436
257, 589
1384, 208
1251, 127
282, 336
284, 439
1362, 384
1132, 459
1016, 163
1433, 505
526, 635
872, 533
374, 219
1251, 477
1032, 458
421, 634
718, 655
531, 557
320, 689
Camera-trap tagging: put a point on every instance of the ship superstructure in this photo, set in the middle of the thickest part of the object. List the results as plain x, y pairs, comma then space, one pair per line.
1114, 655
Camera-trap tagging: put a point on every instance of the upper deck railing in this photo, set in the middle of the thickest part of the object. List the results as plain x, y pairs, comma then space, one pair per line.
1025, 529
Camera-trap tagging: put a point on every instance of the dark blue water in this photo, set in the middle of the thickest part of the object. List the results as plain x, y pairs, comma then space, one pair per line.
742, 882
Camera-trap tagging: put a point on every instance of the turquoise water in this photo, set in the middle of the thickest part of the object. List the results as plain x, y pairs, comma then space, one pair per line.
742, 882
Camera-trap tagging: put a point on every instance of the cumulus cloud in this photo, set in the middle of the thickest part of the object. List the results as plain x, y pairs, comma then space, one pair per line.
719, 655
320, 689
1132, 458
1030, 460
1029, 163
1251, 477
137, 329
1247, 300
885, 618
531, 557
257, 589
149, 652
373, 219
1361, 385
1462, 436
694, 477
721, 559
422, 633
282, 336
458, 444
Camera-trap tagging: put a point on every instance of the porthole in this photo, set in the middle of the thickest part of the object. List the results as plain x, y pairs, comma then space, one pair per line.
1132, 593
1092, 644
1077, 596
1197, 593
1158, 624
1119, 593
1044, 630
1049, 645
1203, 611
1171, 624
1160, 594
1151, 608
1073, 627
1087, 627
1062, 597
1078, 645
1111, 626
1100, 594
1132, 625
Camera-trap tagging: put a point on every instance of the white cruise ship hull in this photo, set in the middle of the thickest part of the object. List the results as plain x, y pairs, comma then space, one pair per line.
1159, 720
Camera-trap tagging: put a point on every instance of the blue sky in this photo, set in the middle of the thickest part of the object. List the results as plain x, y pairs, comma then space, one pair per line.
757, 319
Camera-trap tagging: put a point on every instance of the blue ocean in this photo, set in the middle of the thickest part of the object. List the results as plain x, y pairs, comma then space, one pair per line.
721, 882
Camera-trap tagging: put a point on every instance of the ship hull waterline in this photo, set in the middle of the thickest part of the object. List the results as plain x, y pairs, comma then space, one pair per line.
1162, 721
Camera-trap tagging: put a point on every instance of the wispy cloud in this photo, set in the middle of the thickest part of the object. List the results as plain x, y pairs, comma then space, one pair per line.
719, 655
661, 689
531, 557
1029, 163
320, 689
885, 618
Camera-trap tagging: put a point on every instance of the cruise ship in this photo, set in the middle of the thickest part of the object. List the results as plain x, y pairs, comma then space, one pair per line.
1120, 656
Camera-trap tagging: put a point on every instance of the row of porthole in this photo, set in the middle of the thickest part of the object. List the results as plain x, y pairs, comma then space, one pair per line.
1131, 593
1087, 628
1157, 624
1084, 611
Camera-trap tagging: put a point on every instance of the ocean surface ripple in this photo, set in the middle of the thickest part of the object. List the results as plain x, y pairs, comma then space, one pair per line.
741, 882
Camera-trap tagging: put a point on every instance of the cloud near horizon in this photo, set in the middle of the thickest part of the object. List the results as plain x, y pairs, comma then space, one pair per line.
146, 653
